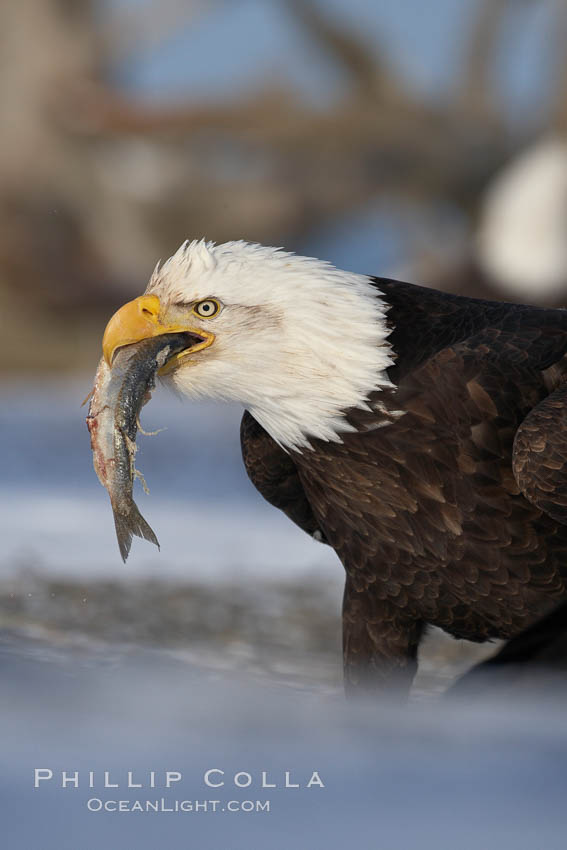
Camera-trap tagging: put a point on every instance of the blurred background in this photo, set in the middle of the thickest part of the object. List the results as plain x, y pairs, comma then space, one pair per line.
421, 141
383, 138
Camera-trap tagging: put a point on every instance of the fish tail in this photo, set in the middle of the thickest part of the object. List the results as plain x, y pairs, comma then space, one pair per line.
129, 524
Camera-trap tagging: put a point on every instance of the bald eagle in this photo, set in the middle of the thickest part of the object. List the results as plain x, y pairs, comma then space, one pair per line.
421, 435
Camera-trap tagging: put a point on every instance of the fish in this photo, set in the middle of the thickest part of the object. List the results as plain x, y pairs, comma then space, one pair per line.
118, 395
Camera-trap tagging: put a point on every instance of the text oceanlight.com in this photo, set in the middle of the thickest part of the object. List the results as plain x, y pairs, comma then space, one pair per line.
95, 804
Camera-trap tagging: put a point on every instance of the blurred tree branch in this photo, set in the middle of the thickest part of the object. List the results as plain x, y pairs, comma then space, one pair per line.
475, 99
368, 69
135, 30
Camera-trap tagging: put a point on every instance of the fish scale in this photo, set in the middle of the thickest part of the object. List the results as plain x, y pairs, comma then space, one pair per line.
118, 396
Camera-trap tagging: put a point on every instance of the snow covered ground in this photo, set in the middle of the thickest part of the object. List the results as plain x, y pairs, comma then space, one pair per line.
490, 776
221, 652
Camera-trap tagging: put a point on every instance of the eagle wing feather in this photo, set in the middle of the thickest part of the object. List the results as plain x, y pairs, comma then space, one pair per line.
275, 475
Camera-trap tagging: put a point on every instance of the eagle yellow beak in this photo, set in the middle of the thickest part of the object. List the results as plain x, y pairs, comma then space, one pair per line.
141, 319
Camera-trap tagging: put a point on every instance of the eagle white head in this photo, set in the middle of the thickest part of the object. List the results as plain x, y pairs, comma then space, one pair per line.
293, 339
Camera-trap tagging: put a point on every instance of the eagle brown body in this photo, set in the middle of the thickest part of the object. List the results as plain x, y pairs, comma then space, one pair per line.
453, 513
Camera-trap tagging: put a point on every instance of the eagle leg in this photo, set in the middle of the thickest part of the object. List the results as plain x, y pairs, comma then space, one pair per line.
379, 644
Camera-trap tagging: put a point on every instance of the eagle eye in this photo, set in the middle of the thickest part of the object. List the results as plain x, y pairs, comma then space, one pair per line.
206, 309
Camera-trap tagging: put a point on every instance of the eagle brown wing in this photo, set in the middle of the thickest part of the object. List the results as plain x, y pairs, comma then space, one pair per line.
275, 475
425, 512
540, 455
